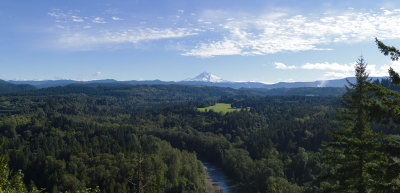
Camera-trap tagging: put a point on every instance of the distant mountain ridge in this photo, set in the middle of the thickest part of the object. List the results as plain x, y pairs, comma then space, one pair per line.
203, 79
6, 87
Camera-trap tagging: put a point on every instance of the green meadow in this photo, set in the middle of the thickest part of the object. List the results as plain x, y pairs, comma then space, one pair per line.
219, 107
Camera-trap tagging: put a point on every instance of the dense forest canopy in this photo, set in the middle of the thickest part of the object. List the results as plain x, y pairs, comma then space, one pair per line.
150, 138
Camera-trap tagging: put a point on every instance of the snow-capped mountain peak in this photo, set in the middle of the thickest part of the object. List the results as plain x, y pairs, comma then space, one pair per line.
206, 77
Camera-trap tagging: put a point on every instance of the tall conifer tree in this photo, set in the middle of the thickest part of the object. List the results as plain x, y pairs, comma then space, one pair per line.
352, 148
385, 108
362, 159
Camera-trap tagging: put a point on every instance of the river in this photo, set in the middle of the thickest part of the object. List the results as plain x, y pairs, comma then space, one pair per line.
216, 175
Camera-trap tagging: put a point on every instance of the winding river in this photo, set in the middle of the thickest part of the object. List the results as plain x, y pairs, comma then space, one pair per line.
216, 175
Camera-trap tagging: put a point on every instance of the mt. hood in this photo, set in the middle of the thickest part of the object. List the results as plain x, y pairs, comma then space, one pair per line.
206, 77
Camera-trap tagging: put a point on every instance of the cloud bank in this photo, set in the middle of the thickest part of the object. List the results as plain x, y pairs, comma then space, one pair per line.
336, 70
219, 33
81, 33
280, 65
89, 40
280, 32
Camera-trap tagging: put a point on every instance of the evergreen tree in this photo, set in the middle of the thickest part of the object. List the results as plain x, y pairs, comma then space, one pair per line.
363, 160
352, 151
385, 108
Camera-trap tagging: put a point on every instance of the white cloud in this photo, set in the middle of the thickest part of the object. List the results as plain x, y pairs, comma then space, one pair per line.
98, 74
335, 70
318, 66
329, 66
332, 70
279, 65
65, 17
395, 65
219, 48
226, 33
279, 32
99, 20
383, 70
56, 13
75, 36
91, 40
334, 75
115, 18
76, 19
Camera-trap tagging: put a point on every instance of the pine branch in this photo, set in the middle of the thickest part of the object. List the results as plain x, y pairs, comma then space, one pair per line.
388, 50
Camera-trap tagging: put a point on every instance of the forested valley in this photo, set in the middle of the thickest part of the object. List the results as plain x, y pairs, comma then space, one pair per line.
110, 138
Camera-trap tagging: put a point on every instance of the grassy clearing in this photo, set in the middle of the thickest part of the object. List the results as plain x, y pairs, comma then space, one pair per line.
219, 107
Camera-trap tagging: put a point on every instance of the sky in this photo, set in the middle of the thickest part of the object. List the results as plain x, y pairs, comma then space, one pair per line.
239, 40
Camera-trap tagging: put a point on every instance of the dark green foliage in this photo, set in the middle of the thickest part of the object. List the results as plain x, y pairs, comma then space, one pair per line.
62, 149
257, 144
352, 147
10, 182
71, 141
362, 159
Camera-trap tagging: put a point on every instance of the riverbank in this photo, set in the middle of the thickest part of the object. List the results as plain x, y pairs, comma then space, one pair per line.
216, 180
211, 185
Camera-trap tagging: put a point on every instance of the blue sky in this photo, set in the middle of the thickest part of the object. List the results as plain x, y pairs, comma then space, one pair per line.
265, 41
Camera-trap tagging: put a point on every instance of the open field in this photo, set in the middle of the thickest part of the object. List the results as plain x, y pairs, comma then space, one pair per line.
219, 107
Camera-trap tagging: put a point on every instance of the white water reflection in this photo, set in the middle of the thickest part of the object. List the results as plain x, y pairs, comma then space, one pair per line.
216, 174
